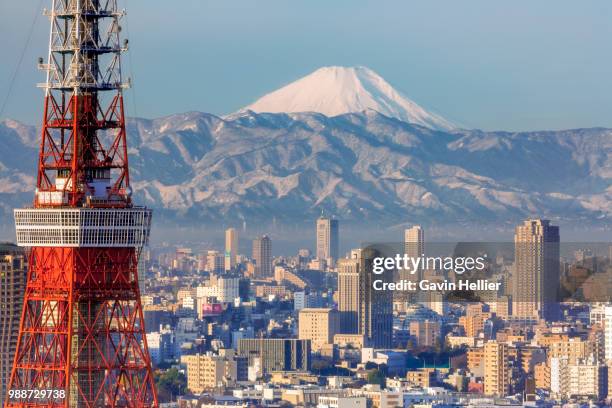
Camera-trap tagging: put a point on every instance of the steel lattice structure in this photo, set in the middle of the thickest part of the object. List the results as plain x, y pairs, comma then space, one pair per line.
82, 328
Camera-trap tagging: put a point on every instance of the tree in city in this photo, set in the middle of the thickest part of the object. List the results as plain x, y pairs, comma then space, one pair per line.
170, 384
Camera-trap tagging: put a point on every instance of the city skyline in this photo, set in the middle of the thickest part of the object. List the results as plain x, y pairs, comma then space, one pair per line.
505, 353
335, 244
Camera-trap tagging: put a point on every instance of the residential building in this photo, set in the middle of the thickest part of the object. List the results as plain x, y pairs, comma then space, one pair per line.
536, 271
319, 326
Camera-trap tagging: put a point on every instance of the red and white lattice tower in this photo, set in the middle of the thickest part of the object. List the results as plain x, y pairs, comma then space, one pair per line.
82, 340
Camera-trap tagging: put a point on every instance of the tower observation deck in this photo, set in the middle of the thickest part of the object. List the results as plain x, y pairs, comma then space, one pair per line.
82, 340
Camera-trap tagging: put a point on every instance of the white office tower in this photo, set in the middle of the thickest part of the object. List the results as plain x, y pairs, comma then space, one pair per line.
328, 238
414, 245
414, 239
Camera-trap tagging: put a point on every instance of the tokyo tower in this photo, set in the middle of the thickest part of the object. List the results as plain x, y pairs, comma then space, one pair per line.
82, 339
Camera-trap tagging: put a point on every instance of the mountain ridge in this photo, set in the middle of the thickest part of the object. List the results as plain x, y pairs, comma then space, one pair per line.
364, 167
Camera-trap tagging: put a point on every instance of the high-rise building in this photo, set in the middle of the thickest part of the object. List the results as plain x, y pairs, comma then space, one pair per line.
328, 239
349, 299
215, 262
363, 310
319, 326
277, 354
231, 248
262, 255
376, 320
496, 374
82, 333
536, 271
414, 245
12, 288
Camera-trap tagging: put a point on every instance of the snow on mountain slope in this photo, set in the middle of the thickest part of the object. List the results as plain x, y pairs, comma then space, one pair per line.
364, 167
336, 90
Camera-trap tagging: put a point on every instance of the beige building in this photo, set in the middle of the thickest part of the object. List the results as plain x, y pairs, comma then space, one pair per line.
458, 341
572, 349
475, 360
208, 371
588, 379
353, 340
381, 398
530, 357
308, 397
426, 332
585, 378
536, 271
342, 402
279, 291
231, 248
319, 326
349, 296
496, 370
414, 247
473, 325
541, 375
421, 378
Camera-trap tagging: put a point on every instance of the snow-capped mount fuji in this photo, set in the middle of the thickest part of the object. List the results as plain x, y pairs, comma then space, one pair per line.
336, 90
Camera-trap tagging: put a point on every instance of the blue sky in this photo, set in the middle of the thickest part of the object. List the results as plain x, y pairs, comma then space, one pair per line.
513, 65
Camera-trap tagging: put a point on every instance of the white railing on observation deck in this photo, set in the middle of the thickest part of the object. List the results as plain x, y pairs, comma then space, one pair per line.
83, 227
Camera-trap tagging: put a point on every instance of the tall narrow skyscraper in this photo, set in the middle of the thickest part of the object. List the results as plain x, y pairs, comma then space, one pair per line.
12, 288
363, 310
231, 248
262, 255
414, 241
349, 300
414, 247
328, 239
536, 270
376, 305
